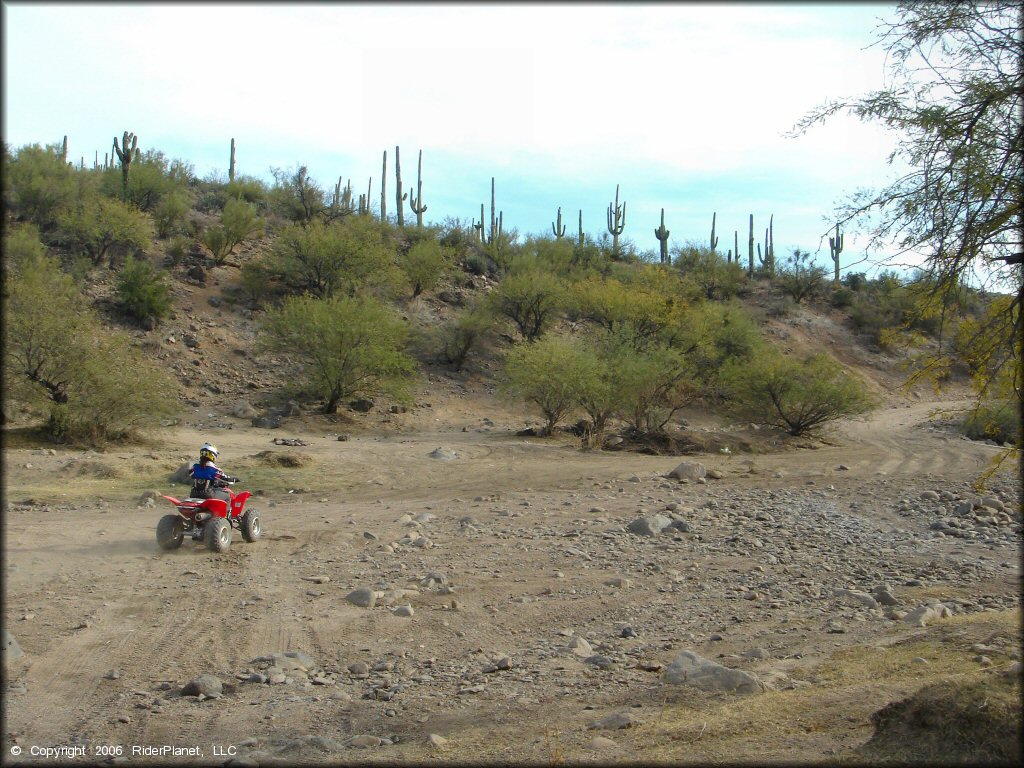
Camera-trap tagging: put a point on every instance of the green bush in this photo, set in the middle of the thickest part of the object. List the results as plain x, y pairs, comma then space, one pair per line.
142, 292
178, 247
424, 265
295, 196
104, 228
345, 347
798, 395
247, 189
998, 421
37, 185
708, 275
344, 256
238, 223
799, 278
93, 385
21, 246
530, 298
455, 339
151, 177
169, 214
547, 372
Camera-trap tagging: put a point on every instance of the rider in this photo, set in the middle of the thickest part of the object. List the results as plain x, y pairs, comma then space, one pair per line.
207, 479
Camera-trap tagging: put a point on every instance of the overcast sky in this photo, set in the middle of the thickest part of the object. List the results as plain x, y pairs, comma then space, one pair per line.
684, 106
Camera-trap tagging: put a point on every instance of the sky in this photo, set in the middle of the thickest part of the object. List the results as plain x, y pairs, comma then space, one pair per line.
682, 106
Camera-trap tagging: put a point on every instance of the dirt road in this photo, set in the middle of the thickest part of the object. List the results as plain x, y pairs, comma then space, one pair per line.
490, 557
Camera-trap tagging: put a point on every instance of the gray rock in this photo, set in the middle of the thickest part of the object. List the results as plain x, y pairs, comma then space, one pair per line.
921, 616
651, 525
403, 610
181, 474
856, 596
206, 685
443, 454
363, 741
579, 646
614, 721
599, 661
270, 421
243, 410
11, 648
690, 669
689, 470
364, 597
361, 406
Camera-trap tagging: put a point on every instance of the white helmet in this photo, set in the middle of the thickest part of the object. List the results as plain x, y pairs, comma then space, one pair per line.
208, 452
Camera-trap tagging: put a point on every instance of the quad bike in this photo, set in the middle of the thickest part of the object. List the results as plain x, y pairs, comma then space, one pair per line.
209, 520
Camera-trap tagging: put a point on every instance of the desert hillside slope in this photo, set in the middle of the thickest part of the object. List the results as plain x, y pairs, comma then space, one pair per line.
431, 585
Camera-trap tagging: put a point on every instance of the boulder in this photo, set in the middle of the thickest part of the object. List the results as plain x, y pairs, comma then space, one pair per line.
270, 421
651, 525
209, 686
362, 597
11, 648
690, 669
689, 470
243, 410
361, 406
181, 473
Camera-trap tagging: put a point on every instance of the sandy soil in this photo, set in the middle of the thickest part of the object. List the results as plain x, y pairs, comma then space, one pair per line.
525, 539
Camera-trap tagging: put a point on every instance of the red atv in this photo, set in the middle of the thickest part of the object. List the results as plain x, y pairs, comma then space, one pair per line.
209, 520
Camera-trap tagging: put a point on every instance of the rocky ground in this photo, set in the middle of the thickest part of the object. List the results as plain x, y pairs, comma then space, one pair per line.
458, 593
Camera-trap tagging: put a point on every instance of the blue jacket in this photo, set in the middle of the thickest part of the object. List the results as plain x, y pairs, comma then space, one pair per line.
206, 472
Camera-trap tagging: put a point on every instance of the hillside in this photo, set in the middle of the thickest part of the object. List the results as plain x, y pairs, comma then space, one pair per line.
521, 605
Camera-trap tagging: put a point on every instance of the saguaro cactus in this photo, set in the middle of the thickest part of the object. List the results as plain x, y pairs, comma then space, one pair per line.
736, 244
399, 195
581, 227
231, 165
383, 187
835, 246
64, 150
480, 227
557, 226
750, 248
768, 260
714, 240
662, 234
416, 203
616, 221
127, 153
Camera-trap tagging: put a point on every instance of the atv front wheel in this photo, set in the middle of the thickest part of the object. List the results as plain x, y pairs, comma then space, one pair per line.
218, 534
170, 532
251, 528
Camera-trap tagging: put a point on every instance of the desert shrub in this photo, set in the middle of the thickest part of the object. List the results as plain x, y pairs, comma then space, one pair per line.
346, 347
59, 359
613, 305
998, 421
238, 223
478, 263
553, 254
855, 281
152, 177
104, 228
708, 275
841, 297
455, 339
169, 214
799, 278
21, 246
798, 395
424, 265
530, 298
249, 190
653, 382
295, 196
178, 247
343, 256
37, 185
547, 373
142, 292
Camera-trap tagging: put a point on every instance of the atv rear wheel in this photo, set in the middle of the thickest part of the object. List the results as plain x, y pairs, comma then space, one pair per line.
250, 526
170, 532
218, 534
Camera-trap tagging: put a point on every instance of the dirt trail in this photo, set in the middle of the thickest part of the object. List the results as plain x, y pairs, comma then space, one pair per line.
112, 627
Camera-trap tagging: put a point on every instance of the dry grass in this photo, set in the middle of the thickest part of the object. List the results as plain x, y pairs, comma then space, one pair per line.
833, 719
